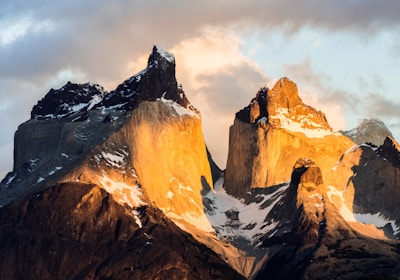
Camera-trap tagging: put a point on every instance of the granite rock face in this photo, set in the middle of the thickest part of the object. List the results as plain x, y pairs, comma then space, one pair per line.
269, 135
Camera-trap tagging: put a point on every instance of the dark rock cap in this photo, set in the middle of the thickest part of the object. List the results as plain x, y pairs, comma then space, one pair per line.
156, 81
70, 98
390, 150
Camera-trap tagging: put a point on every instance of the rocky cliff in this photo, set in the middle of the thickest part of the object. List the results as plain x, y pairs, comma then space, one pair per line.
369, 185
271, 133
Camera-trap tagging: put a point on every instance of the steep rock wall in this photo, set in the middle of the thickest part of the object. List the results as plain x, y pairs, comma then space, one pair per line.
262, 154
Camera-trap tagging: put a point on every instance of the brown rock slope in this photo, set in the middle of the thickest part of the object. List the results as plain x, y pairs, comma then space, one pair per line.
78, 231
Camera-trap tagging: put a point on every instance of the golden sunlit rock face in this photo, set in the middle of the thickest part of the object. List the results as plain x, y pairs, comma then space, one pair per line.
169, 157
159, 156
280, 129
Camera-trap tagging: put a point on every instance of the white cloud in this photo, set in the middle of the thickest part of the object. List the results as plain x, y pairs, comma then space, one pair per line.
14, 29
218, 80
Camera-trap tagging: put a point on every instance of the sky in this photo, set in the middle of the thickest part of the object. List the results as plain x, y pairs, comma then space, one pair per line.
344, 55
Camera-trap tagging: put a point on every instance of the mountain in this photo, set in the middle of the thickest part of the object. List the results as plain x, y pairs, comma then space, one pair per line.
271, 133
373, 131
139, 146
121, 185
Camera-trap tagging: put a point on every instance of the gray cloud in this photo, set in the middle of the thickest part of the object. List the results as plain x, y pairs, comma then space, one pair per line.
230, 90
100, 35
378, 105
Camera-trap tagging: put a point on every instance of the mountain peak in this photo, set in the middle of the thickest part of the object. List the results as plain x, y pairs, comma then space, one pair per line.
160, 56
156, 81
372, 131
284, 94
69, 99
282, 107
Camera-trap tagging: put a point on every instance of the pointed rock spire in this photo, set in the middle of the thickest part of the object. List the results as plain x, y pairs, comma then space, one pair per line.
281, 107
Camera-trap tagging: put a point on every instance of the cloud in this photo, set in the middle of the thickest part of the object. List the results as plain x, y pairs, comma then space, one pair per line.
378, 105
218, 80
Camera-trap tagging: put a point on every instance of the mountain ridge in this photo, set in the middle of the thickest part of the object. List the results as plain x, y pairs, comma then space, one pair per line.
294, 201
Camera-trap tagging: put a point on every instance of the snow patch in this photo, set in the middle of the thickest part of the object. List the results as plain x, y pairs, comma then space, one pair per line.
58, 168
184, 188
299, 125
122, 192
346, 213
165, 54
170, 195
10, 179
96, 99
179, 110
40, 179
231, 218
136, 218
116, 160
376, 219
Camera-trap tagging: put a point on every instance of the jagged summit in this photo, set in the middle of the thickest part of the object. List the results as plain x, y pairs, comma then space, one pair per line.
282, 107
372, 131
270, 134
160, 58
69, 99
156, 81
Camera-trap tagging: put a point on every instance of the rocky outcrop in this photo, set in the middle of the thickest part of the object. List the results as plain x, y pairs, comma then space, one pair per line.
366, 170
311, 239
371, 131
270, 134
78, 231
